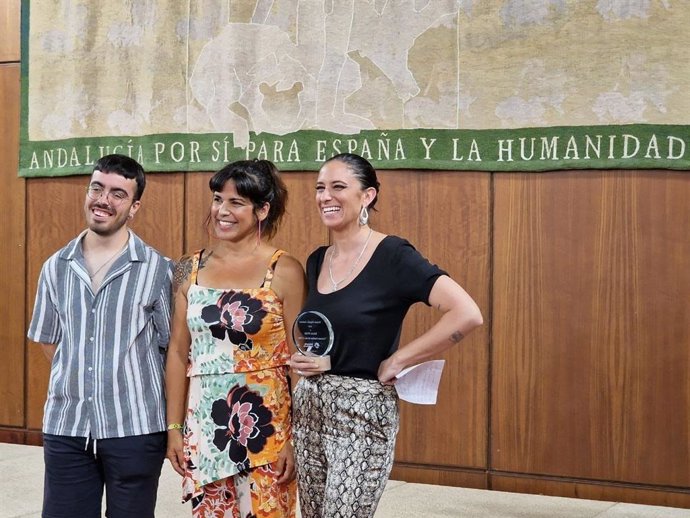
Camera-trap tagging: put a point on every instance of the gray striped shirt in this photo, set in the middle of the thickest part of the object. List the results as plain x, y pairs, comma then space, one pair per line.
106, 379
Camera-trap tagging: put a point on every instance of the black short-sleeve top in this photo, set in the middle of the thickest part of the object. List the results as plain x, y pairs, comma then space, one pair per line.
367, 314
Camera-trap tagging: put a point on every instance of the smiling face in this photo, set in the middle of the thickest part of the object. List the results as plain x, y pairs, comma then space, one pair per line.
233, 216
108, 212
340, 196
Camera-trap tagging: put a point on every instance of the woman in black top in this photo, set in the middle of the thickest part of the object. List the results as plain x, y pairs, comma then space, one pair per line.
346, 419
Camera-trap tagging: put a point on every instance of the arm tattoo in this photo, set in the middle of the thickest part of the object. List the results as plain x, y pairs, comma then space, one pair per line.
183, 269
456, 337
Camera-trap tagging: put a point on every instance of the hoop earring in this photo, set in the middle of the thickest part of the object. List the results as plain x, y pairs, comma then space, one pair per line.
363, 216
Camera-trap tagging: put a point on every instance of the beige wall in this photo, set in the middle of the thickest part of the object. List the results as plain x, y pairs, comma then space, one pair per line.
576, 385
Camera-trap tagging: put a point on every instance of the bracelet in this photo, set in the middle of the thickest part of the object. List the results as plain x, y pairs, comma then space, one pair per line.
175, 426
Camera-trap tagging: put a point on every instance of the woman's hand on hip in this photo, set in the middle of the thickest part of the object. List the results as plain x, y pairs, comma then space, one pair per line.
389, 369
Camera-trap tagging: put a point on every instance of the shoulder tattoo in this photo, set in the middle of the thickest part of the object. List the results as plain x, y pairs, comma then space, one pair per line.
204, 258
183, 269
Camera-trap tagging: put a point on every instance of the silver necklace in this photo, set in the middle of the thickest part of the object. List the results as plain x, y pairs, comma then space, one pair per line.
334, 283
92, 275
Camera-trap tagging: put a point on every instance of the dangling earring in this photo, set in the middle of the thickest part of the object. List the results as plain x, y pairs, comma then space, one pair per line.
258, 239
363, 216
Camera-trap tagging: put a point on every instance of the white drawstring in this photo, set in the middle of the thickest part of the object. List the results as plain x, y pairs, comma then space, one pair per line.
86, 446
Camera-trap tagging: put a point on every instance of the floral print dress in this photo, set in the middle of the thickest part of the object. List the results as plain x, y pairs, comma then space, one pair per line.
238, 414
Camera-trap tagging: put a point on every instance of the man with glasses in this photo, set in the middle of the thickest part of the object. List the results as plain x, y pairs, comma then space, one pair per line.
102, 315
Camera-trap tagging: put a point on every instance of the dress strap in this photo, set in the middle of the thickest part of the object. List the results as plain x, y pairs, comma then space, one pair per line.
196, 258
271, 268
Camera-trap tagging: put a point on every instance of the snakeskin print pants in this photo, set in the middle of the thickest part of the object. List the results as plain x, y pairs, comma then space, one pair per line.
344, 430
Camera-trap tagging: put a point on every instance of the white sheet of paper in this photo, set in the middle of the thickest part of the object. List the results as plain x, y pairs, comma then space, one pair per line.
419, 383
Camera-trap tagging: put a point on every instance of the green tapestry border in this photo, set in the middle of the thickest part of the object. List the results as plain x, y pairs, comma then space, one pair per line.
635, 146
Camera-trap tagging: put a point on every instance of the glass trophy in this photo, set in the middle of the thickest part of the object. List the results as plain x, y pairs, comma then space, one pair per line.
313, 336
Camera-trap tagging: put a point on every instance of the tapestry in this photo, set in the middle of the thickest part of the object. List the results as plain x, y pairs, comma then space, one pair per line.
480, 85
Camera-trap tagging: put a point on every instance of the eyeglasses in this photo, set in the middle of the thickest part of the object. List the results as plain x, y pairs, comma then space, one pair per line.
115, 197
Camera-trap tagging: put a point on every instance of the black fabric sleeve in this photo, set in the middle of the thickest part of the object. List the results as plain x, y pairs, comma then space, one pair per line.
416, 275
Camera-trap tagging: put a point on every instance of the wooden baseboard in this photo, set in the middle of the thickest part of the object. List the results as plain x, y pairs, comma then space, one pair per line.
476, 479
542, 485
16, 436
592, 490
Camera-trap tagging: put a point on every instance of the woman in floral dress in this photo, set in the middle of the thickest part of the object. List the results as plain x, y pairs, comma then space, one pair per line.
227, 380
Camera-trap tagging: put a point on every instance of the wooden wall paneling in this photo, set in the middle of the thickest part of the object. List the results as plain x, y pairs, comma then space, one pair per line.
518, 389
9, 30
300, 232
55, 215
585, 292
197, 202
445, 215
160, 220
13, 258
653, 392
609, 491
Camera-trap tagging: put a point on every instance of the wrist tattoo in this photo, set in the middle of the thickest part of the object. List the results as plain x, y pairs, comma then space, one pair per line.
456, 337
